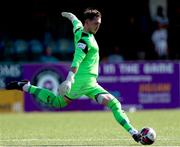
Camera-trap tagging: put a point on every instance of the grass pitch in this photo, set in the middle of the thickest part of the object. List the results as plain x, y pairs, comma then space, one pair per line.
85, 128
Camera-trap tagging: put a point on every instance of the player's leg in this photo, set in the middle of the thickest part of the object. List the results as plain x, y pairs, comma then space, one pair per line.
105, 98
112, 103
42, 95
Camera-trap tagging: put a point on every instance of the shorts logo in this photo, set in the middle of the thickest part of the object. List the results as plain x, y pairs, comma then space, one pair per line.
81, 46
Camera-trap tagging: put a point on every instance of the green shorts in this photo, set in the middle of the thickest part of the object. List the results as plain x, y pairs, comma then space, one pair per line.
85, 85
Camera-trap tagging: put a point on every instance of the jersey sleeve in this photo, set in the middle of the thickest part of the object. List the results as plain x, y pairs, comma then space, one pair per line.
81, 50
77, 24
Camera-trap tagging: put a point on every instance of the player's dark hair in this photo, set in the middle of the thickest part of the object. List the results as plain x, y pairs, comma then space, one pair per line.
90, 13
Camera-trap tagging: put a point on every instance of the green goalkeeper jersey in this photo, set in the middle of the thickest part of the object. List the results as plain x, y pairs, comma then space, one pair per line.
86, 55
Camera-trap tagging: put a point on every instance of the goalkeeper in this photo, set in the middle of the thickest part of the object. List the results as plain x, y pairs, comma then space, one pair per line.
82, 77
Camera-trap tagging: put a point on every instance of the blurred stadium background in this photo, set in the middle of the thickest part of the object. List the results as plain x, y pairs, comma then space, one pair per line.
36, 43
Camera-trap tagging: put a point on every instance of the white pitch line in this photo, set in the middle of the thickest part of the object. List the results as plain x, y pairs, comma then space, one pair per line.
25, 140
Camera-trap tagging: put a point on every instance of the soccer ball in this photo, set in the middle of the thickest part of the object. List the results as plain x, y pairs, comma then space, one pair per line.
148, 136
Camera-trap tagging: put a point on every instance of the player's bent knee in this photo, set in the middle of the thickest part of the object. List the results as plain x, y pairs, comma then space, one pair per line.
110, 101
104, 98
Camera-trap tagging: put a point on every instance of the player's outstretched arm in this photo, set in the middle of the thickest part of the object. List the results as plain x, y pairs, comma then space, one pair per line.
69, 16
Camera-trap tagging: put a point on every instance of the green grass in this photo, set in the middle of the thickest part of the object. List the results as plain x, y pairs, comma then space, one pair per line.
85, 128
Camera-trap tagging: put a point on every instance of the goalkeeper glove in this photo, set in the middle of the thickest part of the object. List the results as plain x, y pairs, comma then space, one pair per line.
69, 16
65, 86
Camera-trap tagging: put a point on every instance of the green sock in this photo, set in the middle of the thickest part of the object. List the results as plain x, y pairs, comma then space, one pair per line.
119, 115
44, 96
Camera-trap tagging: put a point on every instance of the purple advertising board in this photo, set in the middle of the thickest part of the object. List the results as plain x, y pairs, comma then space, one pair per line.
144, 85
139, 85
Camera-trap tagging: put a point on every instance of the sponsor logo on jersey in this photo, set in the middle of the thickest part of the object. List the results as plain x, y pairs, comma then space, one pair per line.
81, 45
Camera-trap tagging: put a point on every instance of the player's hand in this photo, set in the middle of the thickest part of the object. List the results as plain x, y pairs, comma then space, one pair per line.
65, 86
69, 16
